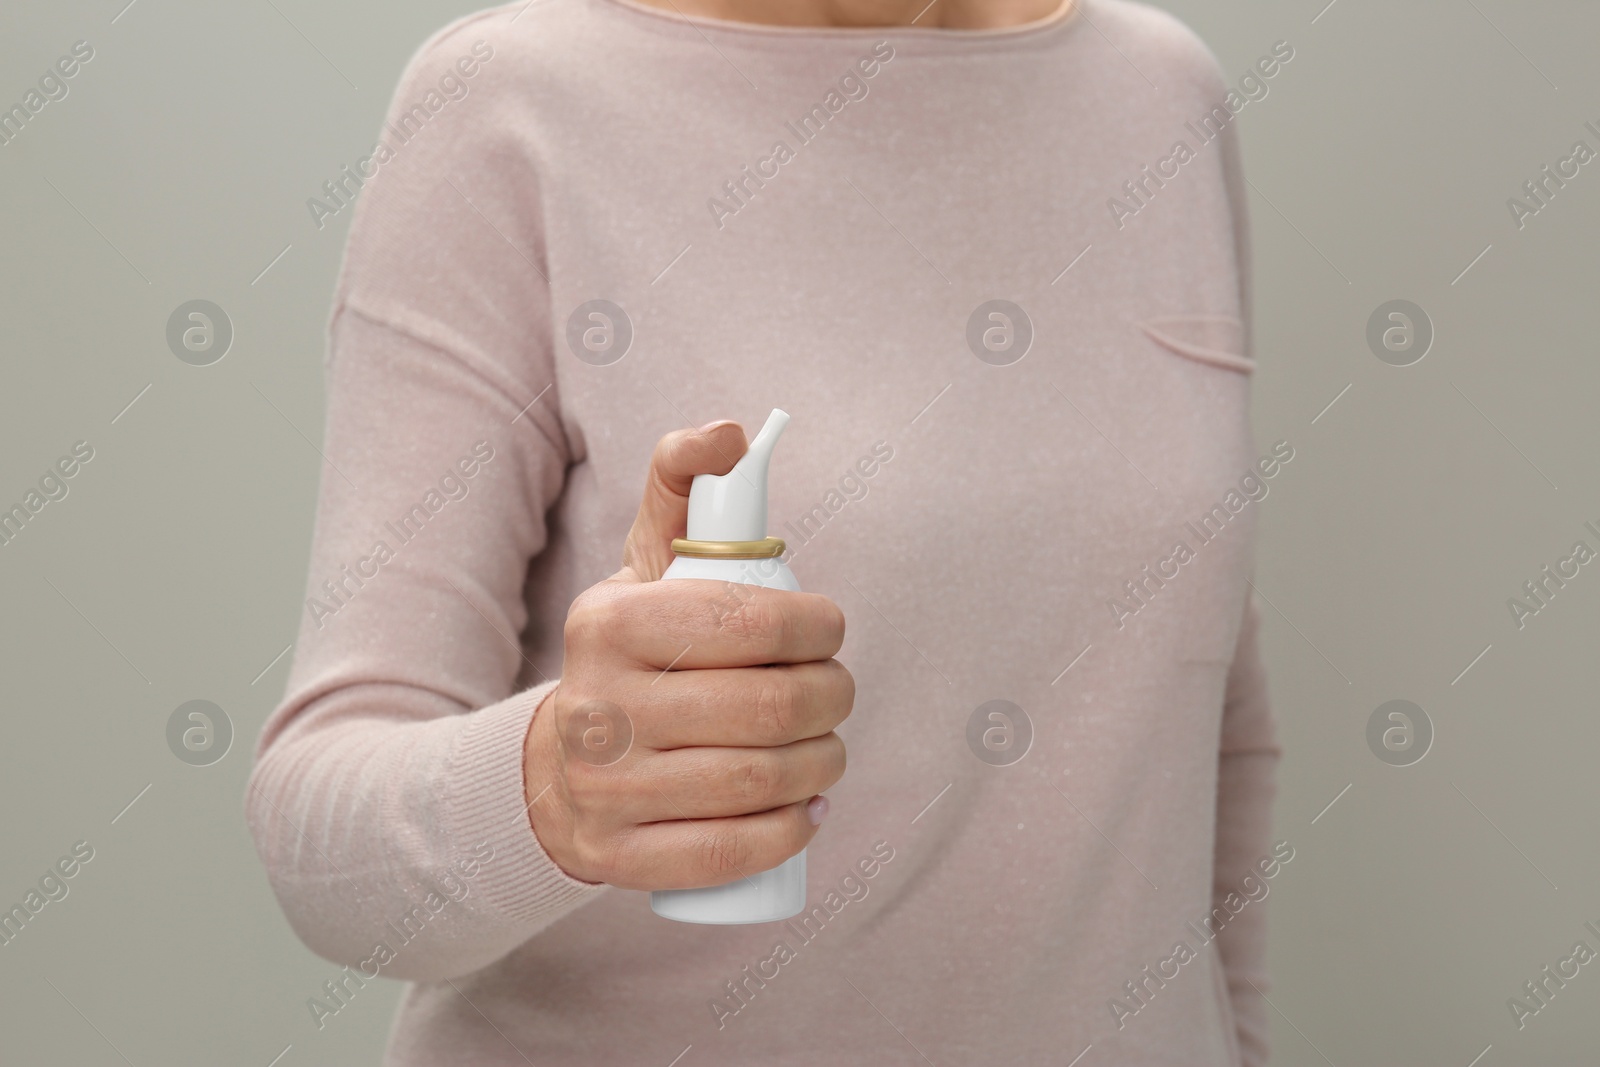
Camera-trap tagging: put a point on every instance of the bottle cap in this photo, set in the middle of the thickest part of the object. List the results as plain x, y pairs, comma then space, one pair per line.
733, 506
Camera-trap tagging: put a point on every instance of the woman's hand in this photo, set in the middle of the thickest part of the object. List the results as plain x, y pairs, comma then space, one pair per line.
646, 777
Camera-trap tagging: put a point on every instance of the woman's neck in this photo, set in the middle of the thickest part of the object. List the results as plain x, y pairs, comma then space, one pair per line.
856, 14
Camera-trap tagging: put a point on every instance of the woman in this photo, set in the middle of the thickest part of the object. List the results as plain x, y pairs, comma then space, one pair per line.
959, 244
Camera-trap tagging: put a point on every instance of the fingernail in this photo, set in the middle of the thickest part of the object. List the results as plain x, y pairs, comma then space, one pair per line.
817, 810
708, 427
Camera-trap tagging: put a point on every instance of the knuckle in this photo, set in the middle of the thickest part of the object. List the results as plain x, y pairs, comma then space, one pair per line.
724, 853
776, 707
595, 792
780, 625
757, 780
742, 614
600, 859
590, 618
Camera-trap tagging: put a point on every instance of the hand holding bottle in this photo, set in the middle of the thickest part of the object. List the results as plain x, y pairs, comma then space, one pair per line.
730, 746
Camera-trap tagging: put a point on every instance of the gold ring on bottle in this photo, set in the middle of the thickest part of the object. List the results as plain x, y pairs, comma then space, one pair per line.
765, 549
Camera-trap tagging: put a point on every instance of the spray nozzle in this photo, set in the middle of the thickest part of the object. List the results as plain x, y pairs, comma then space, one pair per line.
733, 506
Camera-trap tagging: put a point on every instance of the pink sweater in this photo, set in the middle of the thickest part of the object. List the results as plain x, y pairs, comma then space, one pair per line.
809, 219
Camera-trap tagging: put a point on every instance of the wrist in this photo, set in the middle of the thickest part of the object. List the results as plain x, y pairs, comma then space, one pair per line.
536, 771
543, 792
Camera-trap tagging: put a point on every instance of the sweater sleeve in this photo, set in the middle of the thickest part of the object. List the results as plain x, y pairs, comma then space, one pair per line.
1249, 751
1246, 785
387, 796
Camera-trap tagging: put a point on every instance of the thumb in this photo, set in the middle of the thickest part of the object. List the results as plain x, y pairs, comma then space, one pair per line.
664, 513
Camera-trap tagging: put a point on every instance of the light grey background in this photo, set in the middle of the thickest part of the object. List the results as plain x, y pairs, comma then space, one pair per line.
178, 168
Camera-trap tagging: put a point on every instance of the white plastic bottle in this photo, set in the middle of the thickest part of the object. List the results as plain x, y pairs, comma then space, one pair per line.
727, 541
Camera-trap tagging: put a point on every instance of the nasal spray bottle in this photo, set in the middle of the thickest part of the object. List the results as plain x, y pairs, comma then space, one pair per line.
727, 541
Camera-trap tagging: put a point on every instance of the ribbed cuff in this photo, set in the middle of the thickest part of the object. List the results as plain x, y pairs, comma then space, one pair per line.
487, 804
